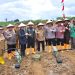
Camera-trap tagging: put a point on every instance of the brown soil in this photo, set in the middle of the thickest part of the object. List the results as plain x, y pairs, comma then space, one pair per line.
46, 66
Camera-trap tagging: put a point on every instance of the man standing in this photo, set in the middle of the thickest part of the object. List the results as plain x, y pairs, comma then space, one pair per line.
40, 36
10, 37
30, 38
66, 34
72, 33
2, 39
50, 35
60, 34
2, 43
22, 38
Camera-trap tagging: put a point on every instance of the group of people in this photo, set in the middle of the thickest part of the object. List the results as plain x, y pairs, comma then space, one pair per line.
53, 35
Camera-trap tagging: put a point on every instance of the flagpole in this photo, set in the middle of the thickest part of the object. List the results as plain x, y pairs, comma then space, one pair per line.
63, 14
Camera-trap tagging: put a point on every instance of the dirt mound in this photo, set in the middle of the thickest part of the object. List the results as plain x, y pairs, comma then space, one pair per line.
46, 66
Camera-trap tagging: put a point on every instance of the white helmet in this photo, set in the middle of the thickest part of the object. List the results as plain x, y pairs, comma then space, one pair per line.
10, 25
40, 24
22, 25
30, 23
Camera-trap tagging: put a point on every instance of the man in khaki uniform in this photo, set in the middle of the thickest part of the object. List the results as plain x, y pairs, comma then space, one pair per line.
40, 36
2, 42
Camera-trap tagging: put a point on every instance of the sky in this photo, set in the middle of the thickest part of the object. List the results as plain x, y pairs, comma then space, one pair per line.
35, 9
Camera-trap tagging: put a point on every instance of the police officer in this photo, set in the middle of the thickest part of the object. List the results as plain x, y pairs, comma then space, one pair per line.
10, 37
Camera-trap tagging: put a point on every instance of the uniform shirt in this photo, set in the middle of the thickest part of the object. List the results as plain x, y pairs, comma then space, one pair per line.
40, 35
2, 37
67, 32
50, 32
10, 37
72, 30
45, 28
2, 43
31, 31
60, 32
22, 36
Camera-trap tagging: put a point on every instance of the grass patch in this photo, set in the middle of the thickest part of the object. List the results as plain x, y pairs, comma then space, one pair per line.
6, 23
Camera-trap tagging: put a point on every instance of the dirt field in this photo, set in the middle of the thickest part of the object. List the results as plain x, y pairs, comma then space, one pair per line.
46, 66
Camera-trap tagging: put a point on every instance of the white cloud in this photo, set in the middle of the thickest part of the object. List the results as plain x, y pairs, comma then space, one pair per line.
33, 9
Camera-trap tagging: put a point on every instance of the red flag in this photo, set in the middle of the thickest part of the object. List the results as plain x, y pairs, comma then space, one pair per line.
62, 7
62, 1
